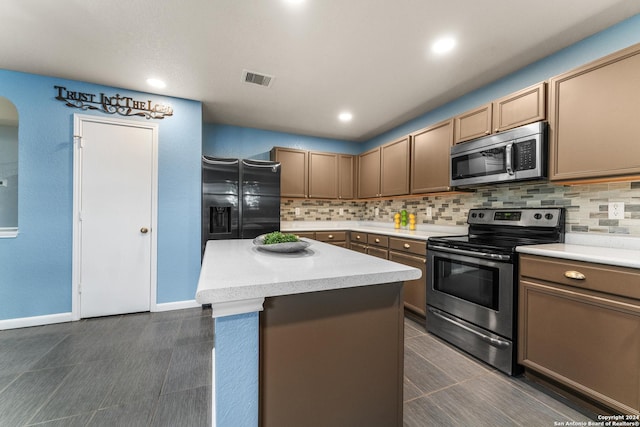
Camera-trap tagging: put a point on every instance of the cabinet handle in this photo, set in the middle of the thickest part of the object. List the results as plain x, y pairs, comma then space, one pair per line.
576, 275
358, 237
407, 246
331, 236
496, 130
486, 132
377, 240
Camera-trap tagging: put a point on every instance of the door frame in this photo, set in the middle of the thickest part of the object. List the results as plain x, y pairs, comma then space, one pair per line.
78, 121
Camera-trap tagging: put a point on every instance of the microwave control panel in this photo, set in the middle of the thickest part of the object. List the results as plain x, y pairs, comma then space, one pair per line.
525, 155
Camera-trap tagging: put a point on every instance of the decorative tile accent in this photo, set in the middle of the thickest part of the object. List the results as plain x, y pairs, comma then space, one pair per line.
586, 206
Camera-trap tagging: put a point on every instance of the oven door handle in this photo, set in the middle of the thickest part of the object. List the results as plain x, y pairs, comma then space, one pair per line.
493, 341
494, 257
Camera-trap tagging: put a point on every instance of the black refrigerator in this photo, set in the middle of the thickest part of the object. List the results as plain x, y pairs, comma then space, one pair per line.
240, 198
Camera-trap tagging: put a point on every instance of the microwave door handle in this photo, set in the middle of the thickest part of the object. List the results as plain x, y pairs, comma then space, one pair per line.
508, 154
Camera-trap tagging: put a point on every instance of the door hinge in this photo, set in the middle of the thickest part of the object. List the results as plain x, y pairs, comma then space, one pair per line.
80, 140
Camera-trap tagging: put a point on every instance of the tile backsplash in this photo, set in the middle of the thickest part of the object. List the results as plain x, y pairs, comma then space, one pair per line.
586, 205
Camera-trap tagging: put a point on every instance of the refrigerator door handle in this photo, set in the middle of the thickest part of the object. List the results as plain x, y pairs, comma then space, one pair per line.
258, 164
220, 161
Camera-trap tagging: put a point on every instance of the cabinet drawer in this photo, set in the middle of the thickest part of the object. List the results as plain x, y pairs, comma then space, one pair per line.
613, 280
331, 236
358, 237
418, 247
305, 234
378, 240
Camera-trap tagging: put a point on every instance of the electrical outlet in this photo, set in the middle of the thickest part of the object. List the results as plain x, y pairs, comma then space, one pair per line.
616, 210
429, 212
297, 211
376, 211
340, 211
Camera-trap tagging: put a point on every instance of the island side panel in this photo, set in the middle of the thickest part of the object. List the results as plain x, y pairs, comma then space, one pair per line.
333, 358
235, 375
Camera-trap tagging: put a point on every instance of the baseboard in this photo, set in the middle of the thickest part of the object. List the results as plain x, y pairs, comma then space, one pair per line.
178, 305
25, 322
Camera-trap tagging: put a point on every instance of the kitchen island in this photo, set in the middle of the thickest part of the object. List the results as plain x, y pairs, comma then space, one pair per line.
307, 338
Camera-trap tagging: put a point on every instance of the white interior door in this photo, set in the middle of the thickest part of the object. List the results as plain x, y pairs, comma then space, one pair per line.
115, 219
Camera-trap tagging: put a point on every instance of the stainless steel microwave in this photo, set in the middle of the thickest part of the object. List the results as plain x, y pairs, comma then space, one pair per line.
514, 155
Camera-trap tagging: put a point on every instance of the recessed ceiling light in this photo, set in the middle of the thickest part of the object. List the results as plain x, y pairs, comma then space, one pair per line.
157, 83
345, 116
294, 1
443, 45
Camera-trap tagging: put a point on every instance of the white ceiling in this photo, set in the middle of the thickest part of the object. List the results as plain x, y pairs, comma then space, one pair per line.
368, 56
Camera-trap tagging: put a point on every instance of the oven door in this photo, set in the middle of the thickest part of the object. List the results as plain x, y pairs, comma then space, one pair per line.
480, 291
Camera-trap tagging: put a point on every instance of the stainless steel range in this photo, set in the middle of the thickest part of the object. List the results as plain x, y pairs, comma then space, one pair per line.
473, 281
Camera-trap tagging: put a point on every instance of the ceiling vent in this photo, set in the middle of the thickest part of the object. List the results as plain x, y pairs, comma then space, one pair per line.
257, 78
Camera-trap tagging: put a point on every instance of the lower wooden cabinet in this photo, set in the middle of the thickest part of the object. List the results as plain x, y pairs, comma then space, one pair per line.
409, 252
579, 325
338, 238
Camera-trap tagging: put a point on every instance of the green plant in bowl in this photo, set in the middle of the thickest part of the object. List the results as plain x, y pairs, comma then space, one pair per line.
278, 237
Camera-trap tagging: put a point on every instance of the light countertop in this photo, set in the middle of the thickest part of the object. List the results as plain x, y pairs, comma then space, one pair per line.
619, 251
423, 232
236, 270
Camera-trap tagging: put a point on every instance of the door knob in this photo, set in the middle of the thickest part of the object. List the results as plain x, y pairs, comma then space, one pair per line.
144, 230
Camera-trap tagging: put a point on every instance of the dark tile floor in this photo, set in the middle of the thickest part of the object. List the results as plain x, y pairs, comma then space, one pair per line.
445, 387
134, 370
154, 369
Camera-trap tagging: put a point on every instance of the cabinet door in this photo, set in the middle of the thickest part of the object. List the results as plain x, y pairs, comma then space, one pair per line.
472, 124
394, 173
293, 171
430, 154
358, 247
415, 291
323, 175
369, 173
378, 252
520, 108
593, 119
584, 340
346, 175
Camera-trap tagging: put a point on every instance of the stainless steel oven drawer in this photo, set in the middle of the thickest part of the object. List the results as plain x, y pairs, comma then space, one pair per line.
486, 346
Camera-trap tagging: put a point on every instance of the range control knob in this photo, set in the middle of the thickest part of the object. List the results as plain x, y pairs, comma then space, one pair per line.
537, 216
473, 215
548, 216
481, 215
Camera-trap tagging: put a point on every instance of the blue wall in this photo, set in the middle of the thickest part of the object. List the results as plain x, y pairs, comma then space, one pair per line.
249, 143
35, 267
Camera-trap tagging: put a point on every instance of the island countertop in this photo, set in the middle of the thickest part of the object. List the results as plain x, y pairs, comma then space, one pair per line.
236, 270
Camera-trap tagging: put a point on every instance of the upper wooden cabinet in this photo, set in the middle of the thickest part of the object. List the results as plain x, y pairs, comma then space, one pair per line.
516, 109
520, 108
369, 173
430, 153
384, 171
315, 174
346, 176
293, 171
473, 124
323, 175
394, 168
593, 119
